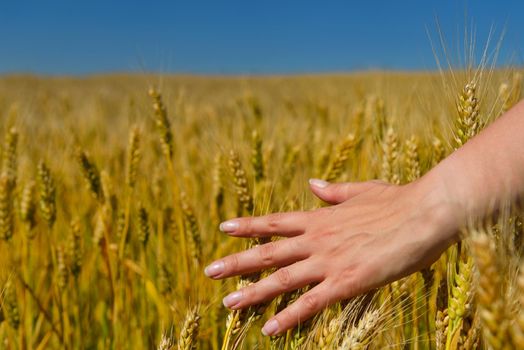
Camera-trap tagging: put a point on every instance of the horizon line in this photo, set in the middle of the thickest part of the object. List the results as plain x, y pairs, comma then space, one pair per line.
240, 74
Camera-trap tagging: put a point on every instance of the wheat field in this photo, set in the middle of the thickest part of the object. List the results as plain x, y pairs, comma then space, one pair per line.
112, 188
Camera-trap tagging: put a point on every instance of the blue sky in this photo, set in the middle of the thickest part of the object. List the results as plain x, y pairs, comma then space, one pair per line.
242, 37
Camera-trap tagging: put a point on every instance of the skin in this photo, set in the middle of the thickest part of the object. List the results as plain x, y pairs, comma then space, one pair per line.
374, 233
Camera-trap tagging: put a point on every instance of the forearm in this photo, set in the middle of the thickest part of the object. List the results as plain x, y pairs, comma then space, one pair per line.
487, 170
404, 228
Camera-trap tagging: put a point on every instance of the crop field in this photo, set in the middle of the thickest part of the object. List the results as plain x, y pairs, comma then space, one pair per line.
112, 189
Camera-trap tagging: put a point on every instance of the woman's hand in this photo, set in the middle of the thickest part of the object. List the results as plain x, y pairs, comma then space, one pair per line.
373, 234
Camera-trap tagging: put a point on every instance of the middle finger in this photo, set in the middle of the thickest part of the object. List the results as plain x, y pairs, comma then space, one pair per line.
273, 254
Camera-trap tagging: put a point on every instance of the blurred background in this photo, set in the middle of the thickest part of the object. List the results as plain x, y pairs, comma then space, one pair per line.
61, 37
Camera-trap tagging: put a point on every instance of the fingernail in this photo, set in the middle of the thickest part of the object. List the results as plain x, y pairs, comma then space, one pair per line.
232, 299
270, 328
228, 226
318, 183
214, 269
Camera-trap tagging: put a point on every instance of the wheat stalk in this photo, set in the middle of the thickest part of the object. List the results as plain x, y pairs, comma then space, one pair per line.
133, 156
189, 333
390, 157
162, 122
491, 302
191, 229
517, 329
243, 192
218, 190
75, 248
28, 208
438, 151
62, 273
336, 167
6, 208
10, 304
469, 123
257, 159
143, 226
460, 301
166, 342
47, 192
510, 93
91, 175
9, 163
360, 336
441, 329
412, 159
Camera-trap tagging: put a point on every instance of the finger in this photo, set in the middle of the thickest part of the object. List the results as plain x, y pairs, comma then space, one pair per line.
309, 304
272, 254
286, 279
282, 224
335, 193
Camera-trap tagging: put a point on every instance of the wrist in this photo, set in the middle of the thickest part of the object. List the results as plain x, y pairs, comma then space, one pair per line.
442, 206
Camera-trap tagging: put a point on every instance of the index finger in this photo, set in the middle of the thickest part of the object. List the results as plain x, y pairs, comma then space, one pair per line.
280, 224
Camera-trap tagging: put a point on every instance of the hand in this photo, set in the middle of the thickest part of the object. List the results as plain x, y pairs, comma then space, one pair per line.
373, 234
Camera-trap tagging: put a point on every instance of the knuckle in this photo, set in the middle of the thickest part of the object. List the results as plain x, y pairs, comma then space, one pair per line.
329, 233
267, 253
320, 212
378, 182
326, 212
334, 292
273, 222
332, 210
310, 302
352, 283
231, 263
284, 278
297, 245
322, 235
248, 225
249, 293
285, 317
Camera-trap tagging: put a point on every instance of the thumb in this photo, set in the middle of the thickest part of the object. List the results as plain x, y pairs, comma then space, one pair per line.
335, 193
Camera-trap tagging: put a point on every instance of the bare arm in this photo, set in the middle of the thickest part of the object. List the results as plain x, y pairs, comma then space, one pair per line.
489, 168
374, 233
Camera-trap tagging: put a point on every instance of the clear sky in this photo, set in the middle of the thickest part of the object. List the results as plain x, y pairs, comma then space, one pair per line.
241, 37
